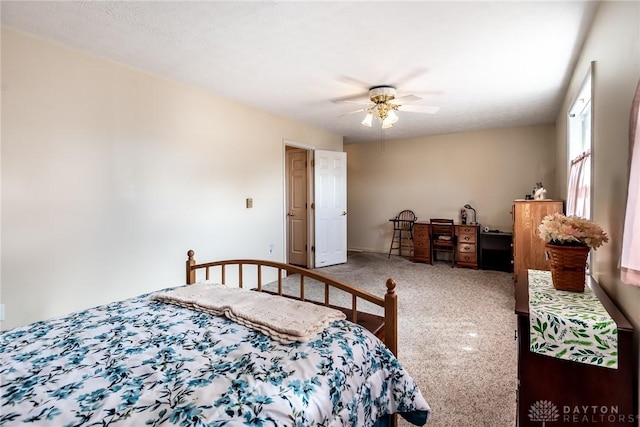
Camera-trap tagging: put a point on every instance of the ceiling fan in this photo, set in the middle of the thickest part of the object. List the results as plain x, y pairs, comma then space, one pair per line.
382, 103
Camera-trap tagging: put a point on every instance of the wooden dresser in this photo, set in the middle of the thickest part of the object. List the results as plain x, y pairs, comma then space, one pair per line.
573, 393
467, 249
467, 245
421, 242
528, 247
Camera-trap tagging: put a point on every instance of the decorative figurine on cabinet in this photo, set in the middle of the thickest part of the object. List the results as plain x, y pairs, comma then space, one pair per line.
463, 216
539, 192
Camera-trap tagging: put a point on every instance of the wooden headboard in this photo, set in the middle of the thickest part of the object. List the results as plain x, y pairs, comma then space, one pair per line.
384, 327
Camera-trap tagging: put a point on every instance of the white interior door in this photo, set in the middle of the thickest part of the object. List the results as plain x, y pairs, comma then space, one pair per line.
330, 179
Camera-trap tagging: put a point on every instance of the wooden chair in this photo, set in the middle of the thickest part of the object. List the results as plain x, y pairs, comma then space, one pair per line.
443, 238
402, 229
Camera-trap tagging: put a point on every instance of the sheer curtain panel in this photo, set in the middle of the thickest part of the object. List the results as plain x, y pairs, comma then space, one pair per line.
630, 263
579, 191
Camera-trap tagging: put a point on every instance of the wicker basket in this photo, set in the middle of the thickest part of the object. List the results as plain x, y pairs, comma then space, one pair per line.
568, 264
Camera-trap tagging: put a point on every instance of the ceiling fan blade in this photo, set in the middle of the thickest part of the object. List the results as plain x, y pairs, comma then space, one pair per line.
356, 99
410, 76
353, 112
404, 99
354, 82
419, 109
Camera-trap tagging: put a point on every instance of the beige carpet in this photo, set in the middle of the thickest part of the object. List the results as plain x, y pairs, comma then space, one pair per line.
456, 334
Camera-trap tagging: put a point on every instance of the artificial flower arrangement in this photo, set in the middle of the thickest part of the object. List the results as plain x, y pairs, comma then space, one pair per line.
562, 230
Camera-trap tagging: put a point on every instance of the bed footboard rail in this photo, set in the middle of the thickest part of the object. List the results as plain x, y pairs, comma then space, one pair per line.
389, 303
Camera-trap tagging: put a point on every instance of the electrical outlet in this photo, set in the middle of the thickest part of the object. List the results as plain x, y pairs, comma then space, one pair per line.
1, 312
249, 203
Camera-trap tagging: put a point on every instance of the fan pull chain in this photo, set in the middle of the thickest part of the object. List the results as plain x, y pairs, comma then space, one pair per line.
382, 141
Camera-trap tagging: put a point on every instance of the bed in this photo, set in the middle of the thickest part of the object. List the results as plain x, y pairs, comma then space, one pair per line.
148, 361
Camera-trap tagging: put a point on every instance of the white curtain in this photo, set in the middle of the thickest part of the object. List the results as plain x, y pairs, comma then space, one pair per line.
579, 191
630, 263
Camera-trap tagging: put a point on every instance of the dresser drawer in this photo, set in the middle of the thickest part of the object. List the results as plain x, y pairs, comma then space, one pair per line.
467, 229
420, 233
421, 253
467, 259
421, 244
469, 248
466, 237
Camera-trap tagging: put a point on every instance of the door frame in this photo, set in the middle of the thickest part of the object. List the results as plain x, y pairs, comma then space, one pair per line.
310, 191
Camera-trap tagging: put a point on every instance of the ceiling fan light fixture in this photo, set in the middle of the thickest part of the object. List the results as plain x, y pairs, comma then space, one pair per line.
384, 113
392, 117
383, 104
387, 123
368, 119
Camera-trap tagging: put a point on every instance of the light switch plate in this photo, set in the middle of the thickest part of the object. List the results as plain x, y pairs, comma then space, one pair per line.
1, 312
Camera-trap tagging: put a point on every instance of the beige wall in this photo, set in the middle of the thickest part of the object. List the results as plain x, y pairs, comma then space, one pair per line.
614, 44
435, 176
109, 175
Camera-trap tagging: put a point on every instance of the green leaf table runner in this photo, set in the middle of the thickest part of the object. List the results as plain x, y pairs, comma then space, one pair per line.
570, 325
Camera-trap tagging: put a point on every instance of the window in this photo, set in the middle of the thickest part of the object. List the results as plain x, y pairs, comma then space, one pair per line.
579, 152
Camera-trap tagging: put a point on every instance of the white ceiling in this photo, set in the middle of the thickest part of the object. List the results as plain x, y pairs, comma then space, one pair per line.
486, 64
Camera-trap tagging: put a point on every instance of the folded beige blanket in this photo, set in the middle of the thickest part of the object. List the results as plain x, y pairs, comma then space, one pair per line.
283, 319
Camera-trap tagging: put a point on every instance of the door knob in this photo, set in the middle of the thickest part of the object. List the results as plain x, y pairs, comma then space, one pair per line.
289, 214
344, 213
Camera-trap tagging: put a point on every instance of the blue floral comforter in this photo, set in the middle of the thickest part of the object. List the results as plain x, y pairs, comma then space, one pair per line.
143, 362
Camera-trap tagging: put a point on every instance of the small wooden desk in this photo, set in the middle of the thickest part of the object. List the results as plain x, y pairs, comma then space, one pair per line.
467, 244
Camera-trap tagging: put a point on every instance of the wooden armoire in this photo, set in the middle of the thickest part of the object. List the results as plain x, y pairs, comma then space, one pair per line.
528, 247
